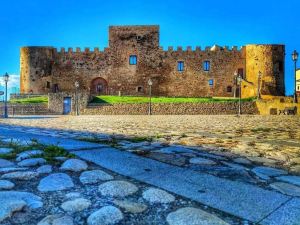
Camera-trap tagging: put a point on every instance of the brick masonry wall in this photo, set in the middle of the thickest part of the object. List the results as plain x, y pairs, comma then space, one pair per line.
171, 109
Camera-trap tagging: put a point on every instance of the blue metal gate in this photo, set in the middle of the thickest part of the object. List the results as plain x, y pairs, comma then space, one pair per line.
67, 105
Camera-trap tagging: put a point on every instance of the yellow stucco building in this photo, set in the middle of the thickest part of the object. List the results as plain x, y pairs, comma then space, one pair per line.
298, 82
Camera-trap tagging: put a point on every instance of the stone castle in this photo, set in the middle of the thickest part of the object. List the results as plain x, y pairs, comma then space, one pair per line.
134, 55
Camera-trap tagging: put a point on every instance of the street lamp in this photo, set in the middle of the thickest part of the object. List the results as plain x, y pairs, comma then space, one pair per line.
235, 81
6, 78
258, 85
239, 81
295, 59
76, 97
150, 83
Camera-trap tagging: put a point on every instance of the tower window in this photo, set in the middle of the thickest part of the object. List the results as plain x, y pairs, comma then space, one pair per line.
211, 82
241, 72
229, 89
133, 60
139, 89
48, 84
206, 65
180, 66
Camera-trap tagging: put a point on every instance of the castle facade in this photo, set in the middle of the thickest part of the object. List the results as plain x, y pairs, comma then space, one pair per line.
134, 56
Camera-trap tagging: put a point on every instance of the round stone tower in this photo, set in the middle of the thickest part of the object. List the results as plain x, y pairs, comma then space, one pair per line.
36, 68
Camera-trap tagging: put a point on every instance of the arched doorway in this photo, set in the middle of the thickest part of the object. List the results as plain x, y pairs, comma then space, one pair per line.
99, 86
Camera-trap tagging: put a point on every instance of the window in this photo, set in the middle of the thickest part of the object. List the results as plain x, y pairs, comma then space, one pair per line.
241, 72
55, 88
211, 82
206, 65
139, 89
229, 89
180, 66
133, 60
280, 66
48, 84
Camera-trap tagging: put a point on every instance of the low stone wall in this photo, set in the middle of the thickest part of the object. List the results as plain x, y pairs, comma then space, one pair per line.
171, 109
56, 101
26, 109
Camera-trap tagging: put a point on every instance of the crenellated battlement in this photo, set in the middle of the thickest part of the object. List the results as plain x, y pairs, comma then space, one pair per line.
198, 49
75, 50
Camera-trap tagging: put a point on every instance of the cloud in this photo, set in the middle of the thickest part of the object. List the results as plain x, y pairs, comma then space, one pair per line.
13, 82
13, 85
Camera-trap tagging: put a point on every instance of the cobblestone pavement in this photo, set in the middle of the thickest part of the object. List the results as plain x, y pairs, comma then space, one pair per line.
242, 154
276, 138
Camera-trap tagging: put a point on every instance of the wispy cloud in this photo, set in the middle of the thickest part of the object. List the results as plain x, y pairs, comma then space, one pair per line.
14, 81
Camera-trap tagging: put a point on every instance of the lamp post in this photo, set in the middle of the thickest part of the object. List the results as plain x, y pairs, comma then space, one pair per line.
76, 97
150, 83
258, 85
295, 59
6, 78
239, 81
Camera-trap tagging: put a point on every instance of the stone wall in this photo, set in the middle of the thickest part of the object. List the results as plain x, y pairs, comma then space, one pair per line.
56, 101
171, 109
26, 109
46, 69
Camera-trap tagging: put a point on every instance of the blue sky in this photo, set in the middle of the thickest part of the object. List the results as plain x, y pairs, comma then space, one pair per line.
74, 23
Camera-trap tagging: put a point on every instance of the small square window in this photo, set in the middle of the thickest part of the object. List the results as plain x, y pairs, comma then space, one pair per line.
211, 82
133, 60
139, 89
206, 65
48, 84
229, 89
180, 66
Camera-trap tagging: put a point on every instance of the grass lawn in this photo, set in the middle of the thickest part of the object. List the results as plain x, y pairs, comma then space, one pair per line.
131, 99
30, 100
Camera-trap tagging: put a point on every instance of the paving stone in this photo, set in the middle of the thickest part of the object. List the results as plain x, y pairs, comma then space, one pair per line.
28, 154
8, 207
201, 161
57, 220
268, 171
105, 216
167, 158
242, 161
235, 166
4, 151
61, 158
132, 207
155, 195
285, 188
242, 200
75, 165
290, 179
6, 185
11, 169
73, 195
193, 216
288, 214
32, 201
55, 182
19, 175
94, 176
32, 162
6, 163
175, 149
261, 160
117, 188
76, 205
44, 169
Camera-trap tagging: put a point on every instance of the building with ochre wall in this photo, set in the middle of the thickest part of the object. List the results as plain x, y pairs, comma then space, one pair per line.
134, 55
